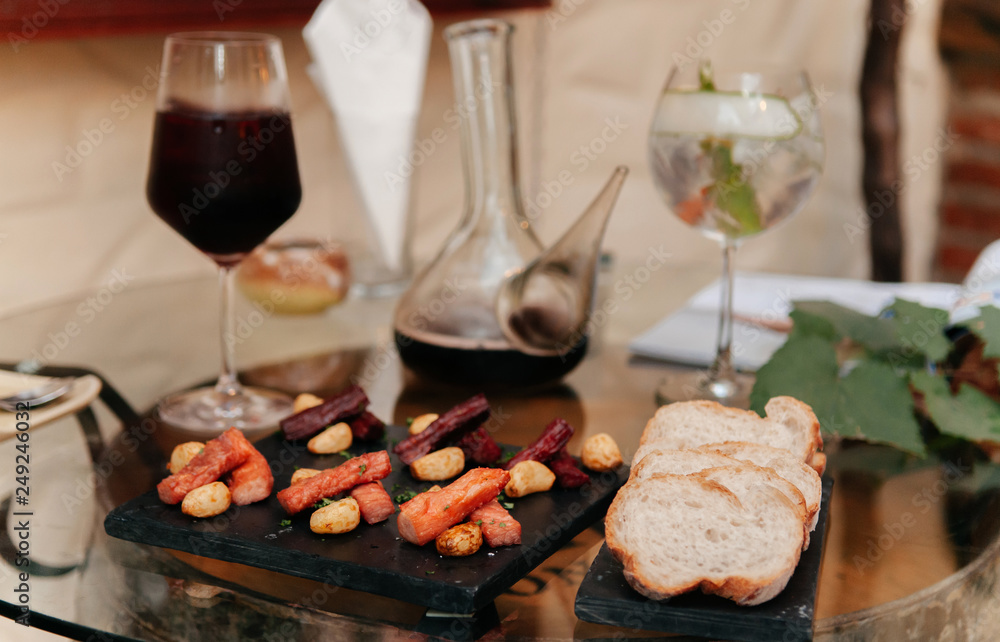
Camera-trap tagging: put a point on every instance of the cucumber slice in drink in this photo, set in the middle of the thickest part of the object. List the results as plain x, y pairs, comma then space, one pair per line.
724, 114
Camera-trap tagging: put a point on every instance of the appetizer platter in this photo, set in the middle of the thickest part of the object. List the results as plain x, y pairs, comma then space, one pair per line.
435, 513
719, 530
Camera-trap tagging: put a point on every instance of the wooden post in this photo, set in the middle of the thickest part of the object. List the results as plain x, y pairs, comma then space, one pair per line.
881, 180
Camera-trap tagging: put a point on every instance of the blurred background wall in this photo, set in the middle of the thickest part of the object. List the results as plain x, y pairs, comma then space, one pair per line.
68, 222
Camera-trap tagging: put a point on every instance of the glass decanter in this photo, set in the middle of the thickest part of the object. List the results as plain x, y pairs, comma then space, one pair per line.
446, 324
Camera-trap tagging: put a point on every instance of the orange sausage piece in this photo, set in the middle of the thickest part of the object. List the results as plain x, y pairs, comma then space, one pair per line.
362, 469
499, 528
429, 514
220, 455
252, 481
374, 503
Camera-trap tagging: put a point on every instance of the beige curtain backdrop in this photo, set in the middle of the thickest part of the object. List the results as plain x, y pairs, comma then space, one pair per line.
77, 120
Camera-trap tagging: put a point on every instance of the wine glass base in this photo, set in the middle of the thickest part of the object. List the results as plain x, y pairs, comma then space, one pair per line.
696, 385
209, 411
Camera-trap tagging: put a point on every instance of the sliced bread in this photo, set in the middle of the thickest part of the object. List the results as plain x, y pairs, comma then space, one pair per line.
677, 533
732, 473
675, 462
790, 424
784, 464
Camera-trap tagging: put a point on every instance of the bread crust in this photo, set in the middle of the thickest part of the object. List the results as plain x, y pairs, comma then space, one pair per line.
739, 587
787, 420
800, 474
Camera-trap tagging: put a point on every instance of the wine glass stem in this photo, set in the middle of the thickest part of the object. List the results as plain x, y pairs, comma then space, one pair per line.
722, 368
227, 384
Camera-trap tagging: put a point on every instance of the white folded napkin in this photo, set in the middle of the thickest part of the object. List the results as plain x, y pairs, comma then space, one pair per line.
688, 336
369, 62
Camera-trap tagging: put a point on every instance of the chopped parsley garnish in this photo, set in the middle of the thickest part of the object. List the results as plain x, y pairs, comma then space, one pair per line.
508, 455
362, 469
344, 453
503, 524
405, 496
429, 572
479, 522
326, 501
409, 421
447, 507
285, 523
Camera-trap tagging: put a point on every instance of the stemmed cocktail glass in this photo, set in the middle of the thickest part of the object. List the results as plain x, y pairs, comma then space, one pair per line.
733, 154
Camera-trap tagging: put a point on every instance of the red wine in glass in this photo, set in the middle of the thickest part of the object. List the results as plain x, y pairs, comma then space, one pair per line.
223, 175
224, 182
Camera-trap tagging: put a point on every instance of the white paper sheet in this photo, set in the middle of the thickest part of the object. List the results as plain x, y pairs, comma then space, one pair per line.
688, 336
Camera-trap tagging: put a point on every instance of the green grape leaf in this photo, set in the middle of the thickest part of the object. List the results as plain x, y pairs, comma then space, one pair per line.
871, 402
874, 333
874, 403
805, 367
807, 323
970, 414
987, 327
920, 329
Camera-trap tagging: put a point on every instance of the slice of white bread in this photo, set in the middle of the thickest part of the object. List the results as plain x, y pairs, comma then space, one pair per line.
677, 533
784, 464
674, 462
818, 463
734, 474
790, 424
739, 472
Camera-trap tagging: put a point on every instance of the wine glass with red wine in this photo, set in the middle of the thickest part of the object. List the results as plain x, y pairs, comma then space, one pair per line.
223, 174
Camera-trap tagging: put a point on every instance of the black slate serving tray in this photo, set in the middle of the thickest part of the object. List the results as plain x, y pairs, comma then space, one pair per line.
372, 558
605, 597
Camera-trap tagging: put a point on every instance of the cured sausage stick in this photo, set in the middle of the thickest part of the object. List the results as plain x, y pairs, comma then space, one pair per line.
220, 455
373, 502
429, 514
479, 446
362, 469
348, 404
367, 427
549, 443
568, 472
251, 481
465, 417
499, 528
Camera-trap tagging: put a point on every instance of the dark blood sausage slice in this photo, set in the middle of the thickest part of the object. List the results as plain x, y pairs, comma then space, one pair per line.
549, 443
220, 455
466, 416
479, 446
429, 514
367, 427
342, 407
358, 470
499, 528
252, 480
568, 472
373, 502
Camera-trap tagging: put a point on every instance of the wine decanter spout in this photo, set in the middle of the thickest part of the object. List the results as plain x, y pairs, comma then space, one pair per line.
544, 308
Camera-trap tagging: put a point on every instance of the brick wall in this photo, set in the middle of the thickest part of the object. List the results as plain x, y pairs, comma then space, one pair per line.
970, 208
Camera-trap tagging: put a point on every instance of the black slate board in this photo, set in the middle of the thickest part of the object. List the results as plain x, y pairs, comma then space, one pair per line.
372, 558
605, 597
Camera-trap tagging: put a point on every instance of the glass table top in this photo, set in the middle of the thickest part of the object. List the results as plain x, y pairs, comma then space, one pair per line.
912, 546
